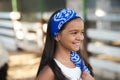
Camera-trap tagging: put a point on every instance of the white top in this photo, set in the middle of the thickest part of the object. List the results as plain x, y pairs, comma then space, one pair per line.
70, 73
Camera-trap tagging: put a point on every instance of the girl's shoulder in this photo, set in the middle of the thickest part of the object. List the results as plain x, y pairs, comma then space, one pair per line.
46, 74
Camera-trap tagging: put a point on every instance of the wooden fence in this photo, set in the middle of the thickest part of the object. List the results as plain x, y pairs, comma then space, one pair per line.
104, 46
16, 34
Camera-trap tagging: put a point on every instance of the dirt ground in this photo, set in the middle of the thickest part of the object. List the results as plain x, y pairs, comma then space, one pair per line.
23, 65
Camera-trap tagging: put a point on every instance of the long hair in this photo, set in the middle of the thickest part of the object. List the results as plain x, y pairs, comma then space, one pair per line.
49, 53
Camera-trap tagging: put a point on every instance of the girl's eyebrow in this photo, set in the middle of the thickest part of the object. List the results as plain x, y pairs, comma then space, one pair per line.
75, 30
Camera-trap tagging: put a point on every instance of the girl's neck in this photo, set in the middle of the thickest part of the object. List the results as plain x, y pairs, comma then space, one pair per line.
64, 57
62, 53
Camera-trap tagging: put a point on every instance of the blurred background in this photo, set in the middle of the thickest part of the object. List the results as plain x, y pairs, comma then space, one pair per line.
23, 26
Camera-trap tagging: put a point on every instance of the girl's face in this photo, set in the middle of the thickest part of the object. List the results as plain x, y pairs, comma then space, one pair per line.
71, 37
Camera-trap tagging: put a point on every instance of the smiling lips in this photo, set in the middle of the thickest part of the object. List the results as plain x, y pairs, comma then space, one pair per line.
77, 43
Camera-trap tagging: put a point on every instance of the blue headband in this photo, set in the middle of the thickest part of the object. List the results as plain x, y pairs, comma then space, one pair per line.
61, 18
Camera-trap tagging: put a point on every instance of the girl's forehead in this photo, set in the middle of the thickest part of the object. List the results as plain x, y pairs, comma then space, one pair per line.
75, 24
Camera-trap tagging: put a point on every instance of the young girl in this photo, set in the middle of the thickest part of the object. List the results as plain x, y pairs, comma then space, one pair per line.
61, 58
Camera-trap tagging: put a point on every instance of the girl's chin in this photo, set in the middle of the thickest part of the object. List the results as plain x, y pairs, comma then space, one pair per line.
75, 49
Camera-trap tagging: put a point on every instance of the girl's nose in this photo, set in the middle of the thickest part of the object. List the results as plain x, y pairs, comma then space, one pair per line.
80, 37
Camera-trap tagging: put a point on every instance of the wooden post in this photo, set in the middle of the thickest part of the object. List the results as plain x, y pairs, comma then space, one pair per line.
14, 6
85, 28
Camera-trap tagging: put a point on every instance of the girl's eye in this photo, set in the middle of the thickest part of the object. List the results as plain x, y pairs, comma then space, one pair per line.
82, 32
74, 33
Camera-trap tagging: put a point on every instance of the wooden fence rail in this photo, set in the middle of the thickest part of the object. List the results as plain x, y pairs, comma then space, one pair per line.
106, 55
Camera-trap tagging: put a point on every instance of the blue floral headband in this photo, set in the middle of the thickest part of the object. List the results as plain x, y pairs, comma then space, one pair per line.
61, 18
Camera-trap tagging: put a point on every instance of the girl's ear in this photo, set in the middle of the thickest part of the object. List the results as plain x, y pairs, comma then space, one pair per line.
57, 38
